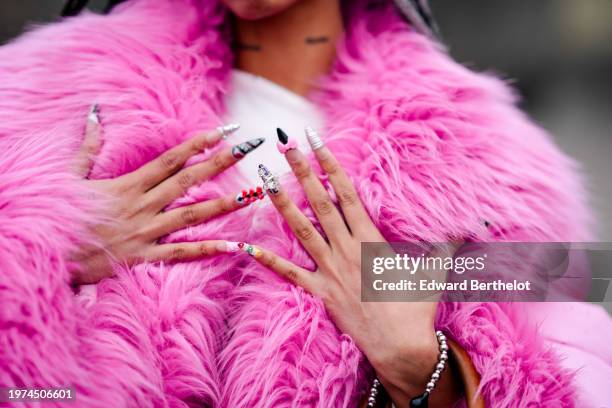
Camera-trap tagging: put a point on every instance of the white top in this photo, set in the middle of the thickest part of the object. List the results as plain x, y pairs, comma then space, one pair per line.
260, 106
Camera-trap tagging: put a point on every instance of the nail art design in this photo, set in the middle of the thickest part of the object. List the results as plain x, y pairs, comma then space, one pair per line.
314, 139
284, 143
270, 181
94, 114
234, 246
251, 195
242, 149
228, 129
253, 251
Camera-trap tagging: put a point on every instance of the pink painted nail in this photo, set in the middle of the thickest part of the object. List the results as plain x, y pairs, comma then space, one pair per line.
284, 143
233, 246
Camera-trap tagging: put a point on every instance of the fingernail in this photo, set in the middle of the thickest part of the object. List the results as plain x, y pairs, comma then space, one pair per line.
253, 251
94, 114
234, 246
230, 246
270, 181
242, 149
284, 144
251, 195
228, 129
314, 139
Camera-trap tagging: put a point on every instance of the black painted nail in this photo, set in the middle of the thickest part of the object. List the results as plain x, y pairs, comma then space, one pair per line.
242, 149
282, 136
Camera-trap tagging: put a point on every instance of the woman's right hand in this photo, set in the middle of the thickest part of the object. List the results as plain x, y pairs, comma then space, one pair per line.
138, 200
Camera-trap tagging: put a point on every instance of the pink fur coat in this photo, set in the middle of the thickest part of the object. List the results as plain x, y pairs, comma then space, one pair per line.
433, 148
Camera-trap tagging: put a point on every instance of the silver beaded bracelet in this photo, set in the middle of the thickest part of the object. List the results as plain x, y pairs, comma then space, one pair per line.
422, 401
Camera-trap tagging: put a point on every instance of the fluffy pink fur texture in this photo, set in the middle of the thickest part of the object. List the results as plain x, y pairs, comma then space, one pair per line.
433, 148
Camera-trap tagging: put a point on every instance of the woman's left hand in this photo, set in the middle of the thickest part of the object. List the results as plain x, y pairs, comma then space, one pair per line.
398, 338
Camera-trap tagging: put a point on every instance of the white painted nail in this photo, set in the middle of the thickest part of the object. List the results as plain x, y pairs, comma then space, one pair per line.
314, 139
228, 129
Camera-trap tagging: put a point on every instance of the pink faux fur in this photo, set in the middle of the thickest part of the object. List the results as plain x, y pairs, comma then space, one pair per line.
434, 149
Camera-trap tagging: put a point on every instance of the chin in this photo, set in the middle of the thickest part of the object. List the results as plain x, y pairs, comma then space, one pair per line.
257, 9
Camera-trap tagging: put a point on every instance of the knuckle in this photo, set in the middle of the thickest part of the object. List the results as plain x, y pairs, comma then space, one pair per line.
226, 205
269, 260
292, 275
301, 170
204, 249
283, 204
219, 163
330, 165
90, 148
185, 180
199, 144
189, 216
347, 197
178, 253
324, 207
170, 161
304, 232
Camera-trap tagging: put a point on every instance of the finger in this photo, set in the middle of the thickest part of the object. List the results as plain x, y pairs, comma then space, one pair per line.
320, 201
354, 212
91, 143
301, 226
284, 268
171, 161
178, 184
184, 251
179, 218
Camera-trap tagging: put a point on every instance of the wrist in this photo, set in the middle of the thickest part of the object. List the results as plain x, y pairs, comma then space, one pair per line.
405, 369
421, 370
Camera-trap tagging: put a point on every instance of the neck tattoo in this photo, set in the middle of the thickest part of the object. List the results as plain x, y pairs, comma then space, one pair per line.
248, 47
317, 40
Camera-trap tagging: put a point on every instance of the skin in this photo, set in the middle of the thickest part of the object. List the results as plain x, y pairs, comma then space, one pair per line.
397, 337
289, 42
292, 46
136, 207
403, 355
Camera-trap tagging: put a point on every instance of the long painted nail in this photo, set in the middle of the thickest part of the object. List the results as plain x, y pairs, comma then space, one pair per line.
314, 139
270, 181
284, 143
242, 149
250, 196
253, 251
233, 246
228, 129
94, 114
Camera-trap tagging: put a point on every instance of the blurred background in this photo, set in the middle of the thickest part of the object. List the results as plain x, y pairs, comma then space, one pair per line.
558, 52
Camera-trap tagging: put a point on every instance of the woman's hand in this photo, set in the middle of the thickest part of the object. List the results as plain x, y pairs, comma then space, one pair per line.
138, 200
397, 338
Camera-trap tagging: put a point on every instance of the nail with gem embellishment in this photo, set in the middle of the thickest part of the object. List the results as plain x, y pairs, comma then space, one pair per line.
253, 251
250, 196
229, 246
242, 149
270, 181
227, 130
284, 143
